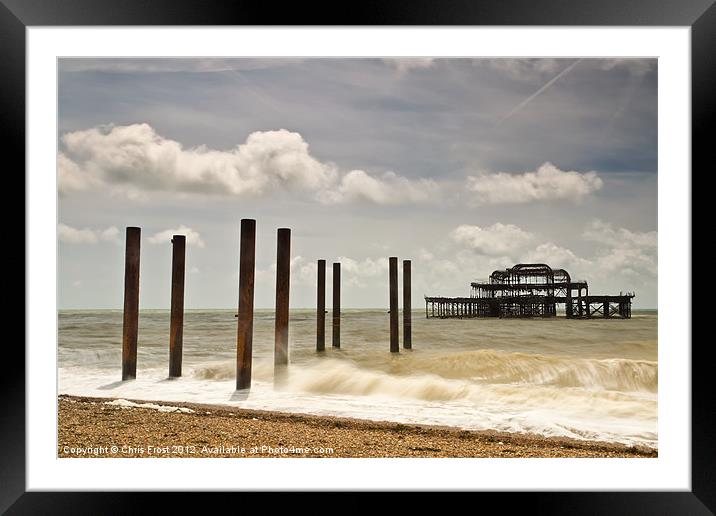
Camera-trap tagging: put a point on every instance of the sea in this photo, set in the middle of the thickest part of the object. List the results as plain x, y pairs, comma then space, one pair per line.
584, 379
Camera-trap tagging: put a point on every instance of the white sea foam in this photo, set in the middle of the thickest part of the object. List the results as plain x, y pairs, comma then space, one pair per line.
161, 408
334, 387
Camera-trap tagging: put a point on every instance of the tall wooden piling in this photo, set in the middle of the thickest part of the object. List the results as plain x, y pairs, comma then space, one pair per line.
176, 326
407, 307
283, 274
393, 277
130, 325
336, 305
244, 338
321, 307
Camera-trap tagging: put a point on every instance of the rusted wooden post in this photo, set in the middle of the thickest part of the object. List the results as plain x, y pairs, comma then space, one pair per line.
130, 326
244, 337
407, 307
321, 307
176, 326
283, 276
336, 305
393, 277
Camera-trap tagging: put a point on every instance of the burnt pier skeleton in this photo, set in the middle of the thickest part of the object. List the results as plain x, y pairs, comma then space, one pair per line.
530, 290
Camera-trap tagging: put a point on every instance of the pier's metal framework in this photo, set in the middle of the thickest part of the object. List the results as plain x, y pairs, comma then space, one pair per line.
530, 290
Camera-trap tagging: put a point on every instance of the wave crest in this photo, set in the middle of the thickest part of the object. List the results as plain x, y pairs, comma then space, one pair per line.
489, 366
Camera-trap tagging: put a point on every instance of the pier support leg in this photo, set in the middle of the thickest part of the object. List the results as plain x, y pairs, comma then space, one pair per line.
244, 338
605, 309
321, 307
130, 326
407, 307
393, 276
283, 280
176, 327
336, 305
587, 307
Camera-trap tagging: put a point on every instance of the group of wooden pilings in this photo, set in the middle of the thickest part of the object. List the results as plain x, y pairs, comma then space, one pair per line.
244, 339
130, 323
336, 315
407, 305
247, 267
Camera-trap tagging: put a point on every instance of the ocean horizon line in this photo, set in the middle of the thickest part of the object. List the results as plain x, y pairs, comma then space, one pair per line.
272, 308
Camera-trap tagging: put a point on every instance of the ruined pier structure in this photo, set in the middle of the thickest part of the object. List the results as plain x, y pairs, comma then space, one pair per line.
530, 290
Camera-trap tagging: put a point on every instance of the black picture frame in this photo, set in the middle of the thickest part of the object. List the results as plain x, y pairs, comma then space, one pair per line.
700, 15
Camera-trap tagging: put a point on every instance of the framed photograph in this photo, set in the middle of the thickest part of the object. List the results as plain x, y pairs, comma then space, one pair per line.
408, 248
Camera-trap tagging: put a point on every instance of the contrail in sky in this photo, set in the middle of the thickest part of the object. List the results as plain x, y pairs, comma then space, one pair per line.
536, 93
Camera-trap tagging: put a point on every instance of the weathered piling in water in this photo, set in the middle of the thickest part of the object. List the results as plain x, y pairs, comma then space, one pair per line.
283, 275
393, 278
130, 324
176, 325
321, 307
336, 305
244, 337
407, 307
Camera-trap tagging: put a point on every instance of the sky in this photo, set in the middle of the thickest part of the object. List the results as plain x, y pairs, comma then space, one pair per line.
463, 166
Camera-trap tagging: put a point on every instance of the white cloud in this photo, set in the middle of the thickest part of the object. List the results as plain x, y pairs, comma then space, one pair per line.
405, 64
546, 183
164, 237
498, 239
447, 271
303, 272
390, 188
624, 251
532, 69
636, 67
472, 252
357, 273
604, 233
110, 234
87, 236
164, 65
135, 155
354, 273
557, 257
131, 160
629, 261
625, 258
70, 176
523, 68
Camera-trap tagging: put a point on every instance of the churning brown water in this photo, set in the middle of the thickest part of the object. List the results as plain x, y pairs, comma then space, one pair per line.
587, 379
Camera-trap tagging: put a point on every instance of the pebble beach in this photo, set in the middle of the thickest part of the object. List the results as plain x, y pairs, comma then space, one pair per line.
115, 428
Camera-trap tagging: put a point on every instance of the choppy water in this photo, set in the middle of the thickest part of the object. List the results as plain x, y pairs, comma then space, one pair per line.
583, 379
